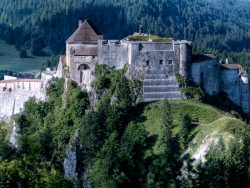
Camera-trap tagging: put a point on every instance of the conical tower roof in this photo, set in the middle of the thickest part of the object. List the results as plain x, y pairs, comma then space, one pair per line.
86, 33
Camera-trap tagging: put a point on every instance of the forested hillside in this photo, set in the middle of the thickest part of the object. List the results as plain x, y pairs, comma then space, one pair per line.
121, 143
35, 24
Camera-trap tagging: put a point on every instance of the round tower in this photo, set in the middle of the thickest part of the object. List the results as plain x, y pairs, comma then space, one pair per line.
185, 58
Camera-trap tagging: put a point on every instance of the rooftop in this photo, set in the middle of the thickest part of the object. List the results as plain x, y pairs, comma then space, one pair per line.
146, 37
86, 33
20, 80
232, 67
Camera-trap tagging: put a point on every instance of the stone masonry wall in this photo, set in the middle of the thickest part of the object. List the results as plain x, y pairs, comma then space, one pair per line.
231, 85
113, 53
207, 75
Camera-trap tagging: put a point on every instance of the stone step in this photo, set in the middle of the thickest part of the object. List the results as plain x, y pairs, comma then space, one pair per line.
162, 88
155, 76
162, 95
154, 99
159, 82
156, 71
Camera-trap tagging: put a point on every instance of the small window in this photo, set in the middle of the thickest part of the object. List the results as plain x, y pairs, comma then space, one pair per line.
147, 62
170, 62
161, 62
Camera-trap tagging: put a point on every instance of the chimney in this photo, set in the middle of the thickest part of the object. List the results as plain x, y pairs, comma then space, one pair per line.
80, 23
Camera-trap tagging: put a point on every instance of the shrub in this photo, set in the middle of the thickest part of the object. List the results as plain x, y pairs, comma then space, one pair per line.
23, 53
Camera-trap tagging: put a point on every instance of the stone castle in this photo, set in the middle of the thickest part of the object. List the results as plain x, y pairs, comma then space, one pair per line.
154, 60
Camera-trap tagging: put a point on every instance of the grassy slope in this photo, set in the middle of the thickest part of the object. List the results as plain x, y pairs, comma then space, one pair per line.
10, 60
210, 124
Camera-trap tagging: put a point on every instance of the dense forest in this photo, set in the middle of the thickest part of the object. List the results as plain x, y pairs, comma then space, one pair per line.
116, 148
222, 25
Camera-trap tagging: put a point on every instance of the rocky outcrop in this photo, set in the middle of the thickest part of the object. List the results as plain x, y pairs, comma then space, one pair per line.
72, 156
14, 136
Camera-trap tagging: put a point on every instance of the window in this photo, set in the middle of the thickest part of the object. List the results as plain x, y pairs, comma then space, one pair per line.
161, 62
147, 62
170, 62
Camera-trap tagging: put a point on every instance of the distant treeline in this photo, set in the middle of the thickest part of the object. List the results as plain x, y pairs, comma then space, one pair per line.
35, 25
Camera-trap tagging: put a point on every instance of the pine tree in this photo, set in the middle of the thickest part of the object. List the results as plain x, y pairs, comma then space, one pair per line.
185, 127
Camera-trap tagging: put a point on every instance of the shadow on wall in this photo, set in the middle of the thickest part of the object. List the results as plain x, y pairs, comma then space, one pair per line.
222, 102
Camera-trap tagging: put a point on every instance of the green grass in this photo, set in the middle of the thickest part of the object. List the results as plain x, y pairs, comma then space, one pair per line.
205, 114
210, 122
10, 60
151, 37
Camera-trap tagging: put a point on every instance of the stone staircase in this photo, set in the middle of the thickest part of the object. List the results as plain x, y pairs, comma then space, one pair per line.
158, 86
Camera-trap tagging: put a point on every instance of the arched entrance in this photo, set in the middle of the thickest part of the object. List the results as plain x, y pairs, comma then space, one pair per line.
84, 70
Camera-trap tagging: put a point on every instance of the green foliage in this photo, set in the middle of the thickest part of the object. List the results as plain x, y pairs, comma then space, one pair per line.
23, 53
185, 130
103, 79
51, 62
149, 38
188, 88
26, 172
122, 144
36, 24
225, 167
10, 59
165, 165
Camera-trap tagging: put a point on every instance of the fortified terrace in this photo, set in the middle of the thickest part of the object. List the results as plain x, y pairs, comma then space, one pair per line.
153, 59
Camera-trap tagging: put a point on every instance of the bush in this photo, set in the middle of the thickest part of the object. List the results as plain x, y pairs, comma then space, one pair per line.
23, 53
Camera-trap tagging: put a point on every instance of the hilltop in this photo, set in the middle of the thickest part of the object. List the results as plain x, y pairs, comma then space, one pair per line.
63, 142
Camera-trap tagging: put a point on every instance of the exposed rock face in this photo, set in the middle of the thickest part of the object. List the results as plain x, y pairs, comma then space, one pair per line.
72, 156
14, 136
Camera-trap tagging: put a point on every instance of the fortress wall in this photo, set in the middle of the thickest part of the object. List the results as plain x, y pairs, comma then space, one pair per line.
207, 75
196, 73
14, 93
113, 53
20, 86
143, 56
13, 102
231, 85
